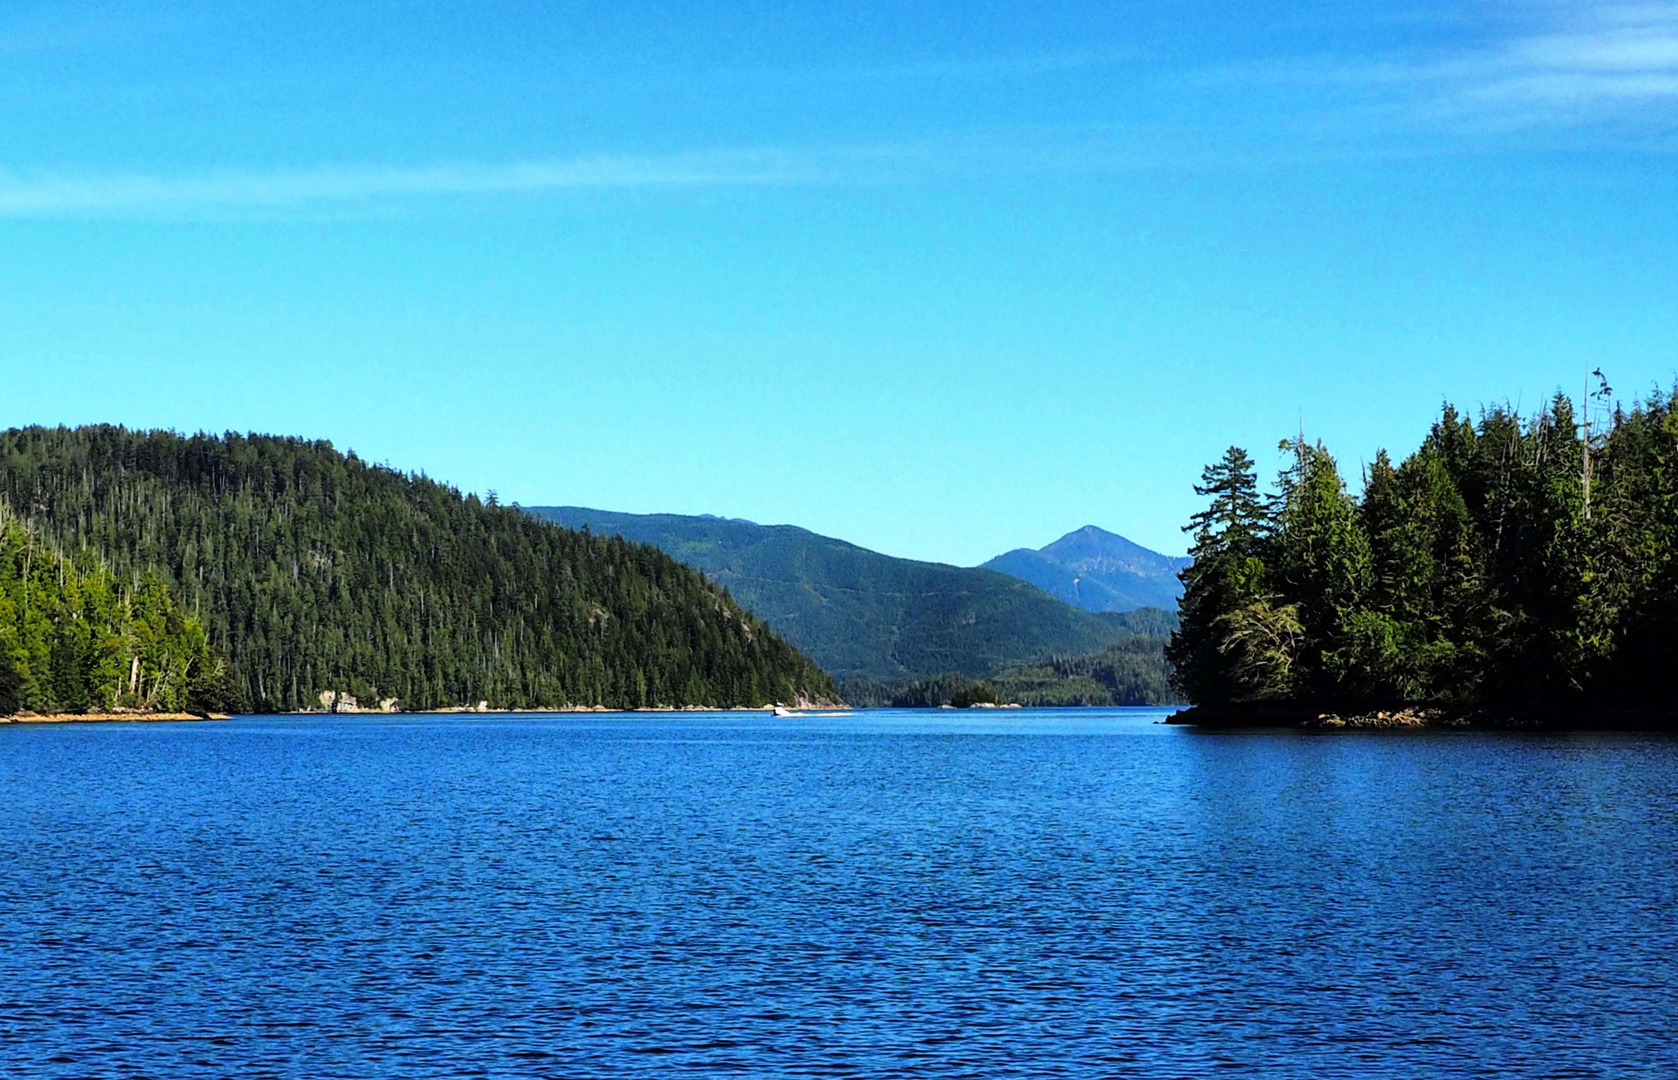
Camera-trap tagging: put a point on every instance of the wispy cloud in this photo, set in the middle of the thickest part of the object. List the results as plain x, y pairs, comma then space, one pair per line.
335, 188
1611, 59
1564, 68
1605, 66
64, 194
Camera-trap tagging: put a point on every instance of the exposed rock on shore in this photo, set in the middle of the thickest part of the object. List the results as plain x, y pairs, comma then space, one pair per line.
105, 717
1401, 718
1253, 714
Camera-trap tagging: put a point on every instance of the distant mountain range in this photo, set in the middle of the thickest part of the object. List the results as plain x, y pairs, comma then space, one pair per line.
861, 614
1098, 571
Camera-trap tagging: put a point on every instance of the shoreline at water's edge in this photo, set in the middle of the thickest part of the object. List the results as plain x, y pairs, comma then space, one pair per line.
569, 709
1577, 718
106, 717
131, 717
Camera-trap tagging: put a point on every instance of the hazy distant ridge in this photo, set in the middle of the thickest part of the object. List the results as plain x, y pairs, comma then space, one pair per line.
857, 612
1098, 571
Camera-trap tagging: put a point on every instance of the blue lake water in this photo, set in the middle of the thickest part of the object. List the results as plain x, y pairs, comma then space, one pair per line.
1080, 893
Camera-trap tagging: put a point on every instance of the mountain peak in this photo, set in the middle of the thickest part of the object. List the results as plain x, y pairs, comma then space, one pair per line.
857, 612
1098, 571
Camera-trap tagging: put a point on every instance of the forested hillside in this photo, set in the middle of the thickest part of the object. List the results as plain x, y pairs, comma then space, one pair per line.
1519, 564
1132, 671
313, 571
75, 639
861, 614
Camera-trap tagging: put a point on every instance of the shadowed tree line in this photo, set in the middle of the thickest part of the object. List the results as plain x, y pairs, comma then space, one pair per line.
310, 571
1512, 563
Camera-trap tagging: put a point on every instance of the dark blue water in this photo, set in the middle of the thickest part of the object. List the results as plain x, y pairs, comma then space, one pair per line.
1036, 894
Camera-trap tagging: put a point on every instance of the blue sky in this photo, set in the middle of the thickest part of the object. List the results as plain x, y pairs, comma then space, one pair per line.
942, 279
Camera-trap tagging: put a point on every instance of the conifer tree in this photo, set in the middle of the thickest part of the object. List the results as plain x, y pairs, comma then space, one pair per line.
1226, 575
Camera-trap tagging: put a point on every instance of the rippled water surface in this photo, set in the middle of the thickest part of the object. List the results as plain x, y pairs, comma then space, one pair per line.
1034, 894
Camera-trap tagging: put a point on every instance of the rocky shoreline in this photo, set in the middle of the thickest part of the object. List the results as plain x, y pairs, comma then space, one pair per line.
1269, 715
1277, 716
124, 716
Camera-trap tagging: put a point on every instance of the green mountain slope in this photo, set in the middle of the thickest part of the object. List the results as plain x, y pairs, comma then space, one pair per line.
860, 613
313, 571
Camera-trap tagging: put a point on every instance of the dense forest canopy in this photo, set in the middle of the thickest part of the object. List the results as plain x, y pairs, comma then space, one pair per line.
1132, 672
75, 639
312, 571
1510, 562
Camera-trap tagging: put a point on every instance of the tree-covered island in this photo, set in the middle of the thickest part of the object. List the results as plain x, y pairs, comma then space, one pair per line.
1511, 569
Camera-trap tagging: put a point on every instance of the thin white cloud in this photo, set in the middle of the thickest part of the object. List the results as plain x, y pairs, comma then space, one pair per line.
1006, 153
1614, 66
52, 195
1573, 67
1610, 58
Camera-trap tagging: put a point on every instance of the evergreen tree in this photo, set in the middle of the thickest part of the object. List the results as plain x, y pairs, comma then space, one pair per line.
1226, 575
1321, 569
